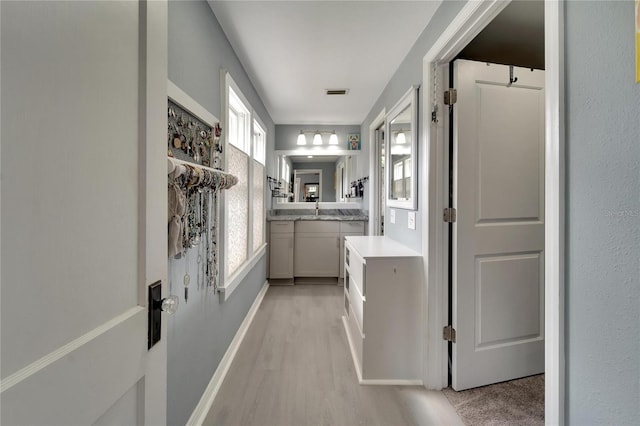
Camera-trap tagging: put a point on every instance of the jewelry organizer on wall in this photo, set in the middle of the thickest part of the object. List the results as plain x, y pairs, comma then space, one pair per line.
193, 192
191, 139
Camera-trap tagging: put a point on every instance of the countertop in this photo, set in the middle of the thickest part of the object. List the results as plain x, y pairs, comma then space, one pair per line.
293, 217
380, 246
339, 215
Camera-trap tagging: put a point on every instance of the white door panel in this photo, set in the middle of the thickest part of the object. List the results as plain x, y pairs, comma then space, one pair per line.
507, 299
509, 153
125, 410
498, 247
83, 210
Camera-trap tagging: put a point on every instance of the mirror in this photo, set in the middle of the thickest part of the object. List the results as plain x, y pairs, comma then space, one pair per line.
313, 176
307, 184
401, 173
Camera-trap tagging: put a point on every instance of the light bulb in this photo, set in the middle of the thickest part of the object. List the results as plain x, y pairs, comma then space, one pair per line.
317, 139
400, 139
301, 139
333, 139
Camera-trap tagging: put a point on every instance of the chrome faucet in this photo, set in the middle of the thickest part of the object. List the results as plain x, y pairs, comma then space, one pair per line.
317, 207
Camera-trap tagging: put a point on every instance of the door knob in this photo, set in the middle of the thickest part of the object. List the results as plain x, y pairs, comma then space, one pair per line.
170, 304
157, 305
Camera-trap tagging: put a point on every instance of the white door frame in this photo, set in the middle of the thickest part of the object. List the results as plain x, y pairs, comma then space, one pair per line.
467, 24
153, 234
374, 202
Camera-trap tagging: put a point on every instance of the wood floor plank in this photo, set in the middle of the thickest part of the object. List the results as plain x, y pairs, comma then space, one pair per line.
294, 367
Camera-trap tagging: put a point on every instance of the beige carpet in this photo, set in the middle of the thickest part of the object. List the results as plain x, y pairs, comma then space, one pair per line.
518, 402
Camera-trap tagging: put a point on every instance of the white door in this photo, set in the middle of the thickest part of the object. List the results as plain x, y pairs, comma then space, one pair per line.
296, 190
83, 196
498, 243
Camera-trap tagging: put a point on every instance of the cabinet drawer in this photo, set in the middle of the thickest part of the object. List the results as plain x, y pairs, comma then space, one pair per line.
355, 264
357, 304
317, 226
279, 227
354, 227
356, 340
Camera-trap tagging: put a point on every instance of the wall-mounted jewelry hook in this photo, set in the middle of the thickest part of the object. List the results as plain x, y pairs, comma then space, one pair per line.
511, 78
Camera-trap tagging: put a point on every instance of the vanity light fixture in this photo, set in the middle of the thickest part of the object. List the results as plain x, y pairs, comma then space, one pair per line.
333, 139
309, 156
400, 138
302, 140
317, 139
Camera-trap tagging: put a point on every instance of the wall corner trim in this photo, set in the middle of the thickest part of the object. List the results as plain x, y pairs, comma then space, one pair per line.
209, 395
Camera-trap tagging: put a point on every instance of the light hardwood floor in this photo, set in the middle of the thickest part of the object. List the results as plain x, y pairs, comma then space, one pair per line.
294, 367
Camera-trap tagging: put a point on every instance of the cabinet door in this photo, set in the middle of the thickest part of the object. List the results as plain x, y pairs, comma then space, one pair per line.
317, 255
281, 255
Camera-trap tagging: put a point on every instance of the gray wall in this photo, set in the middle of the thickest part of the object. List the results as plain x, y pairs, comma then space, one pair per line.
287, 135
602, 215
201, 330
409, 73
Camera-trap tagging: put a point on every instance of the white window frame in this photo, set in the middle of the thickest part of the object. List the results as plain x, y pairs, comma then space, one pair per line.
242, 110
231, 91
258, 154
259, 146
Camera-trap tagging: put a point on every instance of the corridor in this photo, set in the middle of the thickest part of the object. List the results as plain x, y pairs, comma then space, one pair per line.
294, 368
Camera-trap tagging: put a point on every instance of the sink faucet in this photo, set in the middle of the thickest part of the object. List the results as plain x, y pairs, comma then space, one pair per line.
317, 207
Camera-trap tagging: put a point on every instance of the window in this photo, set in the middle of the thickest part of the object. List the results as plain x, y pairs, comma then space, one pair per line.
259, 142
259, 153
244, 202
238, 122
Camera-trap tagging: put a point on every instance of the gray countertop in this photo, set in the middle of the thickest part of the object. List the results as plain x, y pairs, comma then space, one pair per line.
310, 214
292, 217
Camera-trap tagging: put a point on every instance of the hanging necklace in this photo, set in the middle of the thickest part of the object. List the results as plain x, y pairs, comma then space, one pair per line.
186, 278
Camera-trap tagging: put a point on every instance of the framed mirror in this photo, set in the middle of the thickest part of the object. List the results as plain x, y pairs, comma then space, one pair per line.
401, 146
308, 176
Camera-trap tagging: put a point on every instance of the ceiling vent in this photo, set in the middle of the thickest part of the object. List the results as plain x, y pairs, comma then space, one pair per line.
337, 91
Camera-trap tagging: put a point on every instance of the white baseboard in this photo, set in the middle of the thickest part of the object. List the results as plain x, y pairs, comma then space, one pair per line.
209, 395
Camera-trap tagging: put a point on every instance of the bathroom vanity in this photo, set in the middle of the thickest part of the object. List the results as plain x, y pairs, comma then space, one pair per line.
305, 245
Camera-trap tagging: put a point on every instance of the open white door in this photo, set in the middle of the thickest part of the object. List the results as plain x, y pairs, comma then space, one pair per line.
498, 237
84, 207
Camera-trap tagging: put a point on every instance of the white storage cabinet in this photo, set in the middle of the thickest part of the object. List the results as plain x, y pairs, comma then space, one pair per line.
383, 310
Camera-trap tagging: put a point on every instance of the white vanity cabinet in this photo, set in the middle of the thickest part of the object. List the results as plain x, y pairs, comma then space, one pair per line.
317, 248
281, 250
383, 310
348, 229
